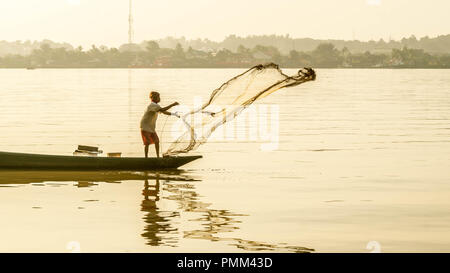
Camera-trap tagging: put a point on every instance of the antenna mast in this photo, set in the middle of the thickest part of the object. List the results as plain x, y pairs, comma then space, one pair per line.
130, 25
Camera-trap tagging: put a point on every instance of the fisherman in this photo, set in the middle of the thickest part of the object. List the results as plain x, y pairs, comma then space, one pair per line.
148, 122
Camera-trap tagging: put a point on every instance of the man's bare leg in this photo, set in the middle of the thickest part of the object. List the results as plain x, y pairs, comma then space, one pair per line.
146, 151
157, 148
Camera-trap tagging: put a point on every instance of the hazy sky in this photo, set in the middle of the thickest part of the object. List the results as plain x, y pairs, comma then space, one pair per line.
99, 22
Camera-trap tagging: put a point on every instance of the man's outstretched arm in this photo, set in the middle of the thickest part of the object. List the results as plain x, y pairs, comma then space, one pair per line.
165, 109
169, 113
168, 107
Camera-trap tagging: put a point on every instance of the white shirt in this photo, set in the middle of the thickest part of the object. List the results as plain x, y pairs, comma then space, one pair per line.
148, 121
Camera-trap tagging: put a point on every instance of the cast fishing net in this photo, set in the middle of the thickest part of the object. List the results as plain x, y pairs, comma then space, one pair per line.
229, 100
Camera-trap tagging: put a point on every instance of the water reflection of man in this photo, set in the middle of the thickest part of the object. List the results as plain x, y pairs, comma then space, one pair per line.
159, 227
153, 192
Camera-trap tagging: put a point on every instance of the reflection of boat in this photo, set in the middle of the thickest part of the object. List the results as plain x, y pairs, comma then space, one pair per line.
58, 162
8, 177
169, 196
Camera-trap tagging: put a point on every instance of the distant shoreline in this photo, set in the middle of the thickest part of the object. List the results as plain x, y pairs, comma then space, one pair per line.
324, 56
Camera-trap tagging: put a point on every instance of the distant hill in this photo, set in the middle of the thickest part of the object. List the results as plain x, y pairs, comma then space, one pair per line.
25, 48
437, 45
284, 43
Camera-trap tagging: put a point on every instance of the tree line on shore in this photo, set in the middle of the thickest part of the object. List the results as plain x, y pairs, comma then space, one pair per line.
284, 43
151, 55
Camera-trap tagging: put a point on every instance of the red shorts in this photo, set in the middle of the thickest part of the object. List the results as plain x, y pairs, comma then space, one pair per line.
149, 138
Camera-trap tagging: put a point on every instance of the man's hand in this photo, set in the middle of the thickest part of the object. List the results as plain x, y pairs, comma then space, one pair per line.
175, 103
171, 114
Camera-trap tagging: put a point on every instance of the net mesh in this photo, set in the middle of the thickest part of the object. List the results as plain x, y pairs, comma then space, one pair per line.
230, 99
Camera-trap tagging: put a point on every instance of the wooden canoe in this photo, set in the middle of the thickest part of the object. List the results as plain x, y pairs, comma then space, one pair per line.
21, 161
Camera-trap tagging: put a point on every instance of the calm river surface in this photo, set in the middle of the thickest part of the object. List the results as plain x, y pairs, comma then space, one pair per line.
360, 156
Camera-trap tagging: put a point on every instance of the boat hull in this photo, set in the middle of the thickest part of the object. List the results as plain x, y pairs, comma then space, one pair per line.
21, 161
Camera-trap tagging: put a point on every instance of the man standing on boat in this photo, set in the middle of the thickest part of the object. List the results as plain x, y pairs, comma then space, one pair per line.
148, 122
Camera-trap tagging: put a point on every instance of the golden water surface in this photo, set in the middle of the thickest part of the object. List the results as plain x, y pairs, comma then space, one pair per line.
363, 156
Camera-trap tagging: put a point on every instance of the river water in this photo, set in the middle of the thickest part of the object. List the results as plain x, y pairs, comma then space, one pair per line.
356, 161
